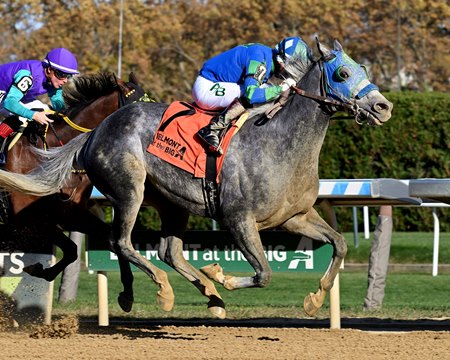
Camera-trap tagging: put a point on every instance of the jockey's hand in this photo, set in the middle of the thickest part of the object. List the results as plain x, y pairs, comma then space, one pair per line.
287, 84
41, 118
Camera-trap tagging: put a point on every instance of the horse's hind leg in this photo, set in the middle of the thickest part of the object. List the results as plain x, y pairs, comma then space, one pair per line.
124, 218
88, 222
314, 227
126, 195
171, 252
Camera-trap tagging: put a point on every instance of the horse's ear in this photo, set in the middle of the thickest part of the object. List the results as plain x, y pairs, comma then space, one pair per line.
324, 51
133, 79
338, 46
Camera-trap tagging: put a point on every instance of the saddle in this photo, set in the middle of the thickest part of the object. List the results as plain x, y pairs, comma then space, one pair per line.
176, 140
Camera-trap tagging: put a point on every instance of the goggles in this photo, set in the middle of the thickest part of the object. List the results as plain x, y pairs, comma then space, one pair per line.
60, 74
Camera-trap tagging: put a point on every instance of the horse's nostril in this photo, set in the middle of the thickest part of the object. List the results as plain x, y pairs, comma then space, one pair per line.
382, 107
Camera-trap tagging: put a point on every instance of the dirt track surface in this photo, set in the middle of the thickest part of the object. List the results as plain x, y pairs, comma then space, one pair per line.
259, 339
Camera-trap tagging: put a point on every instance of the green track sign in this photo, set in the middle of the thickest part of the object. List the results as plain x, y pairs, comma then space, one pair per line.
284, 251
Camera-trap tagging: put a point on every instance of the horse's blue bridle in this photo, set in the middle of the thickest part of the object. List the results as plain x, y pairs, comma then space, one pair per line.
343, 81
345, 78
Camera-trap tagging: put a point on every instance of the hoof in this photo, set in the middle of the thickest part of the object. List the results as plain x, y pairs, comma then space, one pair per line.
311, 304
216, 307
165, 304
165, 299
125, 302
214, 272
218, 312
36, 270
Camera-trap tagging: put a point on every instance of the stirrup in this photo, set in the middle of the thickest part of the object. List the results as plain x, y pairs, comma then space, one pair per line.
211, 148
214, 149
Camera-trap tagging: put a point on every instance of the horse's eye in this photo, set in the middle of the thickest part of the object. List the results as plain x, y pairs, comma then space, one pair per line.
343, 73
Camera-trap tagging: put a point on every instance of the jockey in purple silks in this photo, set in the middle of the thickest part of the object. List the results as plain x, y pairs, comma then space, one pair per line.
241, 72
23, 81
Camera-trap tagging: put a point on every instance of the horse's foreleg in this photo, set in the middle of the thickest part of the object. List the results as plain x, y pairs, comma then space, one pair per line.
314, 227
69, 250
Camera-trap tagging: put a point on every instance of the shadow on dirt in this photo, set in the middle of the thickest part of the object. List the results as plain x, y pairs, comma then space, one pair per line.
89, 324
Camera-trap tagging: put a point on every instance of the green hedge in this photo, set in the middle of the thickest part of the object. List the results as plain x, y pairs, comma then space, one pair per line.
414, 143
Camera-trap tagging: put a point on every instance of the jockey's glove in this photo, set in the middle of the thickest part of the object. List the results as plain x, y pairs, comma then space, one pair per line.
287, 84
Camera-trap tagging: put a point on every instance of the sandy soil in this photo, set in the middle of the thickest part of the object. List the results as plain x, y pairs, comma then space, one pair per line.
69, 338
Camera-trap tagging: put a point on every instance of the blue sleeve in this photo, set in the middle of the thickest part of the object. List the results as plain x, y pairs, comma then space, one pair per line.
22, 83
56, 97
257, 73
256, 94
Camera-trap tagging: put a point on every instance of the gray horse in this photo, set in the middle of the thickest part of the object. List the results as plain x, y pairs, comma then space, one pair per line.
269, 177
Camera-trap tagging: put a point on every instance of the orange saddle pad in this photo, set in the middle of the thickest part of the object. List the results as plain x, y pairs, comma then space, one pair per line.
176, 141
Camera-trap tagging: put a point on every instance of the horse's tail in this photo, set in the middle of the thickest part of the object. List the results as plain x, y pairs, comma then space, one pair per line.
51, 175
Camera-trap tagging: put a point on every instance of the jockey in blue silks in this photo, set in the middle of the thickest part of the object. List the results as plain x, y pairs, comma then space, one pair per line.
241, 72
23, 81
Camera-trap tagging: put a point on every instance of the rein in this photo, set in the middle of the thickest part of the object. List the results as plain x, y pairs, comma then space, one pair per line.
69, 122
323, 99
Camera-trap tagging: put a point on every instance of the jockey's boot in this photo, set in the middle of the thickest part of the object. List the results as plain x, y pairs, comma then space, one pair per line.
212, 133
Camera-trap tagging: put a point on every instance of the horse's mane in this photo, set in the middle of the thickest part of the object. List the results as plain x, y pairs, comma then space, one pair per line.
296, 67
83, 90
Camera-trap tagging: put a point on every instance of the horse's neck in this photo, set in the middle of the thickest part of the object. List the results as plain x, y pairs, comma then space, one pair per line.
291, 141
90, 116
97, 111
303, 123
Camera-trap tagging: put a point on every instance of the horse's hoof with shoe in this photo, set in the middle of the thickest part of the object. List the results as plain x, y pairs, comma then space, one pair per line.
37, 270
216, 307
313, 302
165, 298
125, 301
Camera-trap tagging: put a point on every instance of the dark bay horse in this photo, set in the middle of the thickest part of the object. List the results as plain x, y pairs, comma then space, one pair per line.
269, 176
89, 100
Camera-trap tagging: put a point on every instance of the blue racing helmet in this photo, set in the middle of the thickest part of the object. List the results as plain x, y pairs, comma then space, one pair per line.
63, 60
292, 46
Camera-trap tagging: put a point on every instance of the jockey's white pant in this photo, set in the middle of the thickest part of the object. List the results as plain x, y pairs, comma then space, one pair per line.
211, 95
35, 104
